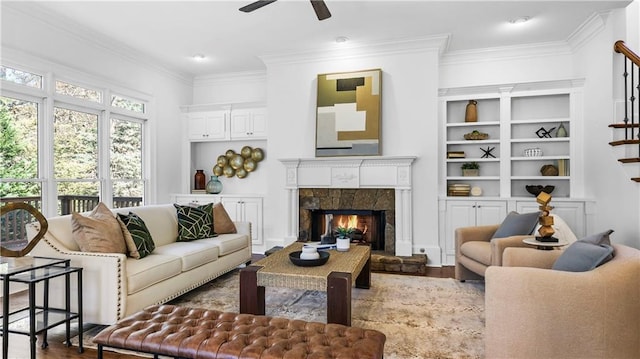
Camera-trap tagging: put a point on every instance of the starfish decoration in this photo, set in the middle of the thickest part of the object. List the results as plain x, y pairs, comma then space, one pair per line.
487, 152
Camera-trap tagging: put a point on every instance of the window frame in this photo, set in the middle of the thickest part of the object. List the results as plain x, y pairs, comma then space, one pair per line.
48, 99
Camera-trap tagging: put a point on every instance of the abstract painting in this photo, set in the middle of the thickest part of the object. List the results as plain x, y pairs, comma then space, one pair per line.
348, 114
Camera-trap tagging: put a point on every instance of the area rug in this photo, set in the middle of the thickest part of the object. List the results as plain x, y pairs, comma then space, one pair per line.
422, 317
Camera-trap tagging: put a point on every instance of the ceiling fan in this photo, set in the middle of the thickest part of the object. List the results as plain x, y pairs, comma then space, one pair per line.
321, 9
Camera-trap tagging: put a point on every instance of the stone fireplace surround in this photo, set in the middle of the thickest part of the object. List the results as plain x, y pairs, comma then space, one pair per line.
375, 172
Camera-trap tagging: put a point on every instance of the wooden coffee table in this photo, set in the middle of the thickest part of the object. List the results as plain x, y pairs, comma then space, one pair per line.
334, 277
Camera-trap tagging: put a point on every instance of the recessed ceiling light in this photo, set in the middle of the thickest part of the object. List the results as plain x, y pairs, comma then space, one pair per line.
341, 39
199, 57
520, 20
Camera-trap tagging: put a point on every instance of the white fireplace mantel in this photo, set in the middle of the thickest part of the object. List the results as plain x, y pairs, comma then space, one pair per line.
354, 172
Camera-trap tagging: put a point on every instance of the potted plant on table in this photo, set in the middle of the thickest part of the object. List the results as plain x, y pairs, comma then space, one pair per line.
470, 169
343, 242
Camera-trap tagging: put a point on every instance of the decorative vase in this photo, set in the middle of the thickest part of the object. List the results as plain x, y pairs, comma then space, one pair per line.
199, 179
214, 186
309, 253
561, 132
471, 113
343, 244
470, 172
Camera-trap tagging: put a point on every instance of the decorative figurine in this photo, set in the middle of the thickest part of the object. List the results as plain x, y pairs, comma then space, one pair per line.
487, 152
542, 132
546, 230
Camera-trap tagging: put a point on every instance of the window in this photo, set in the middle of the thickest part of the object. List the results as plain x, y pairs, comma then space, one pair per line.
70, 156
19, 150
20, 77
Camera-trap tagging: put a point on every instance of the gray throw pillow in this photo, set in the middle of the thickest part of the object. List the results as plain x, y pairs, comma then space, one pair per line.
586, 254
517, 224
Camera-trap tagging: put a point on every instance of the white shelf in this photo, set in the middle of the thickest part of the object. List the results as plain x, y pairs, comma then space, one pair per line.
541, 178
473, 142
474, 124
540, 140
540, 120
541, 158
472, 178
472, 159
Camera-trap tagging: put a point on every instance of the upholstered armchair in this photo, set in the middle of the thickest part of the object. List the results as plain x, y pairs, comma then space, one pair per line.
476, 250
546, 313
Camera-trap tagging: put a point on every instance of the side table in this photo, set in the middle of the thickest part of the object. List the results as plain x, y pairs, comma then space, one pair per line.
35, 319
544, 245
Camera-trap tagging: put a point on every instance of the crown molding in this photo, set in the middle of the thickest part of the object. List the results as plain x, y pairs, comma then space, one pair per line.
95, 39
364, 49
506, 53
588, 30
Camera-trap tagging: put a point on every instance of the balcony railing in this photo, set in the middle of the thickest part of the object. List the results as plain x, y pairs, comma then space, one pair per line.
13, 230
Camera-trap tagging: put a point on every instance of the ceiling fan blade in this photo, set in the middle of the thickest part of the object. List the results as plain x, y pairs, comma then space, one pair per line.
256, 5
321, 9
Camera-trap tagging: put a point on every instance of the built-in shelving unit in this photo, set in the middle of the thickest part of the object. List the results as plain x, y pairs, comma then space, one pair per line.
515, 117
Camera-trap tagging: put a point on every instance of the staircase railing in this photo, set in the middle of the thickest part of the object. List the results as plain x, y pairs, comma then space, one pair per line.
631, 124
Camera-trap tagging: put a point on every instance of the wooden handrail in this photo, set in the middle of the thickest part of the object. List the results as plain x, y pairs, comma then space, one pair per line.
621, 48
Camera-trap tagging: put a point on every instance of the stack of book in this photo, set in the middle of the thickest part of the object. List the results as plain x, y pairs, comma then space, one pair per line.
455, 154
198, 191
459, 189
563, 167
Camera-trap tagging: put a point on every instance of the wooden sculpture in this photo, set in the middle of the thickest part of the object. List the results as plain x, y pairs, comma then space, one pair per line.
546, 230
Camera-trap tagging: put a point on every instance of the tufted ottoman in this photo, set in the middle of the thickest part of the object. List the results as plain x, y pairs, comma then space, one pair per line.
199, 333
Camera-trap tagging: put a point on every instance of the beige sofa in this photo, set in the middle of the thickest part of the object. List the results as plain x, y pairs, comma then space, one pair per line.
544, 313
115, 286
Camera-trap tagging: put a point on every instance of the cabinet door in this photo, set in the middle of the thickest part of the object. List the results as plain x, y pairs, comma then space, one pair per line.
459, 214
573, 213
490, 212
246, 210
207, 126
248, 123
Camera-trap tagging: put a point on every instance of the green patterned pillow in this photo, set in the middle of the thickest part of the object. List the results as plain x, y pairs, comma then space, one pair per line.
195, 222
136, 235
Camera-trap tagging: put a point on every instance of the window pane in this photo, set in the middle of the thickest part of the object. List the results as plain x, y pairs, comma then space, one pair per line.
18, 143
20, 77
75, 144
126, 149
77, 196
68, 89
127, 193
127, 104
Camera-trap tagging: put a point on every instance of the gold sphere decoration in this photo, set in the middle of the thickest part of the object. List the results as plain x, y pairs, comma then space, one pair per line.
250, 165
230, 154
241, 173
221, 161
228, 171
257, 154
236, 162
217, 170
246, 151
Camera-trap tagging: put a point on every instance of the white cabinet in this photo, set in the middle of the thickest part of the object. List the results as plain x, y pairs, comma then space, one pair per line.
246, 209
250, 123
465, 213
573, 213
207, 126
243, 208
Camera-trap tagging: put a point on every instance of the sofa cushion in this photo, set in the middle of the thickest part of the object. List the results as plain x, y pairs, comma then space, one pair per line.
229, 243
479, 251
194, 222
586, 254
192, 254
136, 235
222, 223
153, 269
517, 224
99, 231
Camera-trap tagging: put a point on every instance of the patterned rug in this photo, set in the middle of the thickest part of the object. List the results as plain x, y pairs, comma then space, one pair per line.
422, 317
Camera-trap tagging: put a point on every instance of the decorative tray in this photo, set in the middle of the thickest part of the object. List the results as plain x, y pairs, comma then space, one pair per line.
476, 135
295, 259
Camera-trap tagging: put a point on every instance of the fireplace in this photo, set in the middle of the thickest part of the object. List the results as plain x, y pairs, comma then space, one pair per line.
368, 226
353, 183
371, 211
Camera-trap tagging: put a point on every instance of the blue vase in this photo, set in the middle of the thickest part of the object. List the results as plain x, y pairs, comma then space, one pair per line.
214, 186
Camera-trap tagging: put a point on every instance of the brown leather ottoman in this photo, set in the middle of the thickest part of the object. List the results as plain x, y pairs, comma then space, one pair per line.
199, 333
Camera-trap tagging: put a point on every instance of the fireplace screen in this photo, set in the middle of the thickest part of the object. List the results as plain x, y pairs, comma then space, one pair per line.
368, 226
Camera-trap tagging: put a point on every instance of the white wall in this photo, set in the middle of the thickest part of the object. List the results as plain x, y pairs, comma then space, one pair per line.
409, 127
33, 40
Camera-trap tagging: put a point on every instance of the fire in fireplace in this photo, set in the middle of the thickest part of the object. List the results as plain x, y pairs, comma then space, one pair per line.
368, 226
